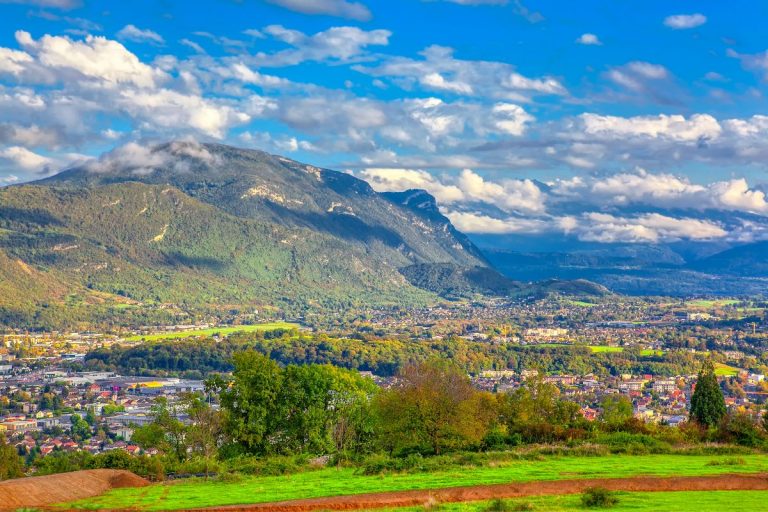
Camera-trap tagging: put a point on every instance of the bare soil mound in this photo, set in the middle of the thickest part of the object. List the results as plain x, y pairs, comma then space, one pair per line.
39, 491
487, 492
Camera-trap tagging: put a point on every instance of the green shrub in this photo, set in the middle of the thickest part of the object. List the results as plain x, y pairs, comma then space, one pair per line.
498, 506
598, 497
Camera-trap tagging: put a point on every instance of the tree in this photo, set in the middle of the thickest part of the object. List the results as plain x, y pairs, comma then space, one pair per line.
434, 406
205, 434
617, 409
252, 400
10, 462
536, 411
707, 402
269, 409
80, 428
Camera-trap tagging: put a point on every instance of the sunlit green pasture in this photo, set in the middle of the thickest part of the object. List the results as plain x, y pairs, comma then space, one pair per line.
679, 501
348, 481
221, 331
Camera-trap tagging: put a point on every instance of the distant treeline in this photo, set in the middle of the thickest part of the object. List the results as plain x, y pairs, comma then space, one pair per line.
383, 357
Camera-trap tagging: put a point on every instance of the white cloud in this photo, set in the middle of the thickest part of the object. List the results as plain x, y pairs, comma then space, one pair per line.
95, 57
13, 61
508, 195
166, 108
685, 21
133, 33
589, 40
24, 159
339, 8
439, 70
673, 127
468, 222
247, 75
648, 228
343, 44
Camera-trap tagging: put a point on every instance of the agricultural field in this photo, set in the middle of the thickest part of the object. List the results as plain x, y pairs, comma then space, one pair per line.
348, 481
221, 331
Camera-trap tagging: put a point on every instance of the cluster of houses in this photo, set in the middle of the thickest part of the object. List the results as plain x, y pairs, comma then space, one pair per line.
116, 405
654, 398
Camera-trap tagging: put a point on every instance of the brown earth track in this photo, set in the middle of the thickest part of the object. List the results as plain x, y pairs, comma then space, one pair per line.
758, 482
39, 491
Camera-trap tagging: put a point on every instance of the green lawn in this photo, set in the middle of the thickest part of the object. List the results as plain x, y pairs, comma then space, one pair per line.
336, 482
680, 501
723, 370
222, 331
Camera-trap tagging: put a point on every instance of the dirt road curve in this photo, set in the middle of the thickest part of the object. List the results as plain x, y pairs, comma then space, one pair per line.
486, 492
39, 491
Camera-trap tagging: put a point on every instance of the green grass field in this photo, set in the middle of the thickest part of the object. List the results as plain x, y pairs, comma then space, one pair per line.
723, 370
598, 349
680, 501
222, 331
346, 481
719, 303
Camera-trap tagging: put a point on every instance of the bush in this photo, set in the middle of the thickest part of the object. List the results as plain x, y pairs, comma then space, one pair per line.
598, 497
498, 506
732, 461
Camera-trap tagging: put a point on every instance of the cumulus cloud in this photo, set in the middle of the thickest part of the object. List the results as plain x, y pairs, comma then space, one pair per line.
339, 8
589, 40
95, 57
25, 159
166, 108
685, 21
133, 33
508, 195
648, 228
673, 127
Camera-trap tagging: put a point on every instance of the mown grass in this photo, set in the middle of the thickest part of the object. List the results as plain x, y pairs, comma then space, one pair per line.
348, 481
723, 370
221, 331
679, 501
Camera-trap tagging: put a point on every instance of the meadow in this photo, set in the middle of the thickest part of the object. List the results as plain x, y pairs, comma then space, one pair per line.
679, 501
220, 331
349, 481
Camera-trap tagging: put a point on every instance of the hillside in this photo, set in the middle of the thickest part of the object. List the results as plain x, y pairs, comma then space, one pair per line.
148, 235
745, 260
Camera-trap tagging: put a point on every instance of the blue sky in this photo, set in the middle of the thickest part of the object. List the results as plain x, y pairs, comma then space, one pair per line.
501, 108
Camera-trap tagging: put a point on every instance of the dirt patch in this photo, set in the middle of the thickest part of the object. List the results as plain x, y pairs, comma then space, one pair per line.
487, 492
39, 491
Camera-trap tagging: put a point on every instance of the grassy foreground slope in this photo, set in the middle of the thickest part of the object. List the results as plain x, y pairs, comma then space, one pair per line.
346, 481
679, 501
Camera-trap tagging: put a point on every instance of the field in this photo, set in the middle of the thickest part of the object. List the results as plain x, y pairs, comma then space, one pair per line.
221, 331
719, 303
680, 501
598, 349
723, 370
347, 481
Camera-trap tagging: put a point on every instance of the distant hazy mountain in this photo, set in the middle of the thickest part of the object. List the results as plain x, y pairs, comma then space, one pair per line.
214, 227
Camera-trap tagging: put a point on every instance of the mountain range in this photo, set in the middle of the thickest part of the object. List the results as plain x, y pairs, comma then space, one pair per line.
146, 232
